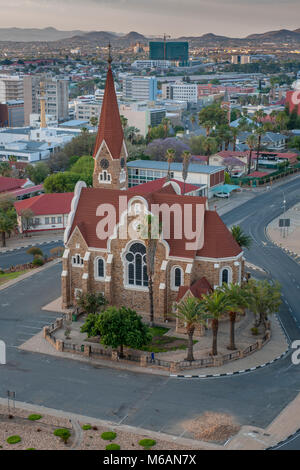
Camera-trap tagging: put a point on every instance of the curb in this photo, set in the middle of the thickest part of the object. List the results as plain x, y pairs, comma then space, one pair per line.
29, 274
10, 250
284, 441
230, 374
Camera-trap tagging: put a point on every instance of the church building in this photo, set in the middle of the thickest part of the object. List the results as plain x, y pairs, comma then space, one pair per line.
104, 250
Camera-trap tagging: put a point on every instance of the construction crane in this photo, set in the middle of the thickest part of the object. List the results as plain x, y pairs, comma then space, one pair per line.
166, 36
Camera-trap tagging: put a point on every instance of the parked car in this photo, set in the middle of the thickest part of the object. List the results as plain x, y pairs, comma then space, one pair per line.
220, 194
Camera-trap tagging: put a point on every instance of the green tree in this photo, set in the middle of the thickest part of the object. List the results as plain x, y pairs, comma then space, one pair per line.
170, 157
26, 216
294, 143
8, 217
212, 115
91, 325
5, 169
216, 305
84, 167
251, 141
191, 313
91, 302
34, 251
265, 300
61, 182
150, 232
186, 158
239, 300
94, 121
123, 327
241, 237
38, 173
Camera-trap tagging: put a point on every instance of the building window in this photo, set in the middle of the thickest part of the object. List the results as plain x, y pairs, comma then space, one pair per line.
99, 268
225, 276
136, 266
77, 260
177, 278
53, 220
59, 220
47, 220
36, 221
104, 177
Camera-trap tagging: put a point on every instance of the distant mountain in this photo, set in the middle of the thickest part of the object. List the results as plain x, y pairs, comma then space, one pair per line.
283, 35
35, 34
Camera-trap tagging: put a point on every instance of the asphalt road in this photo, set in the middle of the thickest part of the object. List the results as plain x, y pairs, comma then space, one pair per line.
149, 401
20, 256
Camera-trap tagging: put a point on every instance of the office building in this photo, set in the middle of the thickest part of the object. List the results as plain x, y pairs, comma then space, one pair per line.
139, 88
11, 88
174, 51
141, 116
12, 113
180, 91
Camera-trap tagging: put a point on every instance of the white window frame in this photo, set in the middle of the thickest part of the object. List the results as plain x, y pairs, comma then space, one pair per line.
97, 278
108, 179
229, 275
77, 264
125, 268
173, 287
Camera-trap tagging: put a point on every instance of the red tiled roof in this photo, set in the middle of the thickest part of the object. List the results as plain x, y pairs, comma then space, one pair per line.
9, 184
218, 240
29, 190
258, 174
110, 128
46, 204
200, 287
155, 185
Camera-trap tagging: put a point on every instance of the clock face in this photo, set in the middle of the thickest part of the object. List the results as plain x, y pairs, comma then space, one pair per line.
122, 162
104, 164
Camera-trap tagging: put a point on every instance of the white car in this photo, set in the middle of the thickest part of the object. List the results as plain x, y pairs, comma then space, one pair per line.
220, 194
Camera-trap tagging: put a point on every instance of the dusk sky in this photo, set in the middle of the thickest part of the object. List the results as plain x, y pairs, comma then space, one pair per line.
235, 18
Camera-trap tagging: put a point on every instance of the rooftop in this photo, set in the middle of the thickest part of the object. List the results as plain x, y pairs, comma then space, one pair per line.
160, 165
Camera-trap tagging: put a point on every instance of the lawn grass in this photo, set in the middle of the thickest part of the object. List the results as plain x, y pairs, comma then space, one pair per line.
161, 343
10, 276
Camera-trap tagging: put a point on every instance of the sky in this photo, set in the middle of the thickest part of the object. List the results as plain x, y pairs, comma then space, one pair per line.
234, 18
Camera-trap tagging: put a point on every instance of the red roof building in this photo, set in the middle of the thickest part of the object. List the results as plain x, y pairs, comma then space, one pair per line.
106, 237
46, 212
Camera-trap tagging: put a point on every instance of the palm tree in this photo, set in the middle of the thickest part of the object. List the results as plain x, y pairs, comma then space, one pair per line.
260, 132
150, 232
193, 120
190, 312
239, 299
170, 156
215, 305
166, 122
186, 157
265, 299
251, 142
240, 237
210, 146
124, 121
234, 133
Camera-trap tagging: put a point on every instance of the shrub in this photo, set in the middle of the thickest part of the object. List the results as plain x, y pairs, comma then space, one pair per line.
31, 448
254, 331
64, 434
147, 443
108, 436
34, 251
113, 447
57, 252
13, 439
86, 427
38, 261
34, 417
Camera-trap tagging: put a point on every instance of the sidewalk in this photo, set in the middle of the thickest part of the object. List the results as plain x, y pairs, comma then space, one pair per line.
288, 238
34, 240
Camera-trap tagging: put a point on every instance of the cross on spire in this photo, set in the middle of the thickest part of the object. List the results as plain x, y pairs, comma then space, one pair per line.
109, 60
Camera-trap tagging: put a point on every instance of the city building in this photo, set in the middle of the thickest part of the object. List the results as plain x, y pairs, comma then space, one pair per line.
101, 254
139, 88
12, 113
141, 115
56, 93
241, 59
176, 52
49, 212
206, 177
151, 64
180, 91
11, 88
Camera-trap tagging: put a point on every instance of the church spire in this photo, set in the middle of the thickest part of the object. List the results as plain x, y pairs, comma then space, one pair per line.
110, 128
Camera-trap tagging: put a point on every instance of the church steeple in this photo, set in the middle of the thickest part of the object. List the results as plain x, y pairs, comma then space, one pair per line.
110, 151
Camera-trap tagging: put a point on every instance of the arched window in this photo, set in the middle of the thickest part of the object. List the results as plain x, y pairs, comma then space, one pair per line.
136, 266
177, 277
99, 268
225, 277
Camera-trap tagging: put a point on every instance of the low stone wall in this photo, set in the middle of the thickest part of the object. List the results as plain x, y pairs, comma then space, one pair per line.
144, 360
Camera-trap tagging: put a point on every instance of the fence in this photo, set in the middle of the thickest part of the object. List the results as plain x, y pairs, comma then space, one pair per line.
96, 351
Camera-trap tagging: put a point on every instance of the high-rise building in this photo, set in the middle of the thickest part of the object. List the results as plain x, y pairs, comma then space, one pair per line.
139, 88
175, 51
12, 113
180, 91
56, 97
11, 88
